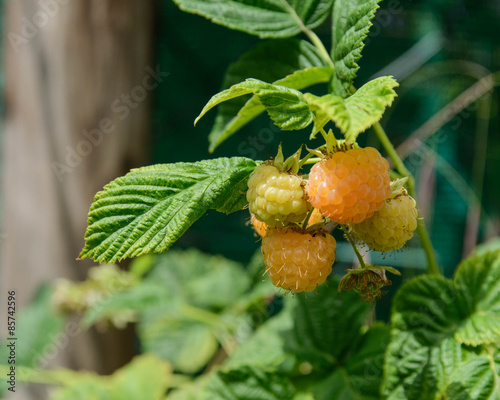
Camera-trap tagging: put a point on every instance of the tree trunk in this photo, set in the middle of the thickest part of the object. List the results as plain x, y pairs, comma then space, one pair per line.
78, 83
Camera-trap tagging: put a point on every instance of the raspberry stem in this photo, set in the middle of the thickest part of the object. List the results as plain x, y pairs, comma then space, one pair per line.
311, 161
316, 41
306, 220
432, 266
351, 241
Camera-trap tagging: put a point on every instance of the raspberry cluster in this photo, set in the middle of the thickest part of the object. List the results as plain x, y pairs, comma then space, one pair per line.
350, 186
298, 261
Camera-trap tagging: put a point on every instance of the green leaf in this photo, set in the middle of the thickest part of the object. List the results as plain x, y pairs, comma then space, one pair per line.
266, 19
435, 320
478, 280
360, 376
148, 209
356, 113
326, 325
288, 62
177, 305
186, 343
467, 308
476, 379
146, 377
181, 306
190, 391
266, 348
351, 22
249, 383
183, 326
200, 279
286, 107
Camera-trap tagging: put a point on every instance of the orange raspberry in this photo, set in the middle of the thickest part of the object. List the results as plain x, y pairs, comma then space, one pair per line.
392, 226
350, 186
298, 261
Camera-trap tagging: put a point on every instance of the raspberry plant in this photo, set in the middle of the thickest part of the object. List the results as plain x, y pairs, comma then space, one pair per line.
444, 334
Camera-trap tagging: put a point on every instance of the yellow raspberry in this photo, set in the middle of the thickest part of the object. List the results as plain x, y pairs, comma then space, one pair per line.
298, 261
392, 226
276, 197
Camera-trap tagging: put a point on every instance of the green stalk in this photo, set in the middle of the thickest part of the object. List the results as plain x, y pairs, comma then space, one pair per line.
315, 40
351, 241
311, 161
432, 266
306, 220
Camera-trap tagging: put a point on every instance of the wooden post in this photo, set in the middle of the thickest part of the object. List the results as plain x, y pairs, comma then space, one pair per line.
79, 78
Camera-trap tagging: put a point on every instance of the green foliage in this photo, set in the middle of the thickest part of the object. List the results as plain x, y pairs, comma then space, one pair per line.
351, 22
188, 304
360, 375
37, 317
266, 19
290, 110
36, 350
356, 113
286, 107
146, 377
325, 334
435, 323
148, 209
318, 346
249, 383
291, 62
326, 315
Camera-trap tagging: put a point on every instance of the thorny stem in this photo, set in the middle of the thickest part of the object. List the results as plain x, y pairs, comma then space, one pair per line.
351, 240
432, 266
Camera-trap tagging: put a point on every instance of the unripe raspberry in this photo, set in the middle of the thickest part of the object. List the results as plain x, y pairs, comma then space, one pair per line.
350, 186
260, 227
276, 197
298, 261
392, 226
